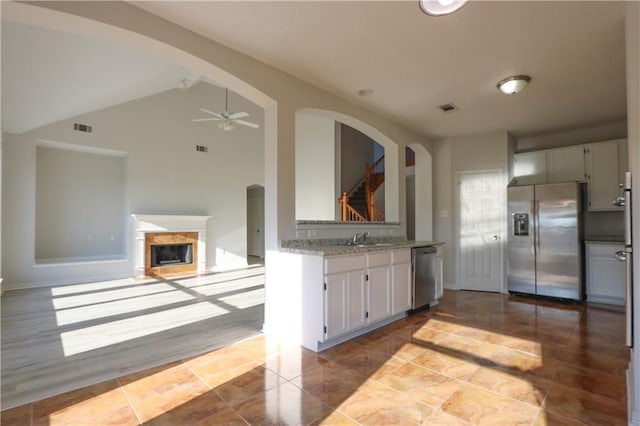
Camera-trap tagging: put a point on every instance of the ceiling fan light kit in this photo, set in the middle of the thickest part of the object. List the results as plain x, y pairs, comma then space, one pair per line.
514, 84
227, 119
226, 126
440, 7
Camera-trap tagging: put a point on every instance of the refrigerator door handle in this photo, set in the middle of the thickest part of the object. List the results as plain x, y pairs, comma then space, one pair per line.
536, 215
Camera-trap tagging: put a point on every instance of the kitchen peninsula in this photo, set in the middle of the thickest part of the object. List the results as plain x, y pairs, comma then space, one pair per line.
351, 288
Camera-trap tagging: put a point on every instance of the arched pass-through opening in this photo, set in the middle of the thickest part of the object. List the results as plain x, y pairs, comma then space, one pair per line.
392, 188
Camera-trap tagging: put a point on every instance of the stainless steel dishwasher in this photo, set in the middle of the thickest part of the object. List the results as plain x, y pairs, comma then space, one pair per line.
423, 263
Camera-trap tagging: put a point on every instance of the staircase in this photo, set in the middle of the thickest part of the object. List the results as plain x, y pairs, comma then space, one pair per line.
358, 204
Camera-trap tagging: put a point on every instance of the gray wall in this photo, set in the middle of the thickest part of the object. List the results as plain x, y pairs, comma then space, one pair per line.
452, 155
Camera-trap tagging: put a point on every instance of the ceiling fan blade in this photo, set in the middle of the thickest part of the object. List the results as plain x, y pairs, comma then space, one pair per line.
246, 123
237, 115
207, 119
215, 114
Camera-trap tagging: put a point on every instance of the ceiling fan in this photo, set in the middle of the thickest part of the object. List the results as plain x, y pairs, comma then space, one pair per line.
227, 119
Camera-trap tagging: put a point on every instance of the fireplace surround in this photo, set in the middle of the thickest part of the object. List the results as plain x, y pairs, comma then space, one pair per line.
179, 243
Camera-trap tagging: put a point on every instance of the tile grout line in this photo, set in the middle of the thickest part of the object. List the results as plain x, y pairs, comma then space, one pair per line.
126, 396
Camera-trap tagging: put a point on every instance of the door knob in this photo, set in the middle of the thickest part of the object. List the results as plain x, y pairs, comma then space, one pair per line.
496, 237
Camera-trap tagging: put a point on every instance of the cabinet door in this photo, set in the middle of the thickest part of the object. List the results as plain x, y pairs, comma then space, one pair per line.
379, 293
356, 300
335, 305
530, 168
602, 175
565, 164
401, 293
605, 274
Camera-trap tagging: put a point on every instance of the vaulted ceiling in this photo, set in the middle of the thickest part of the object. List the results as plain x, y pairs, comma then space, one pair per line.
574, 52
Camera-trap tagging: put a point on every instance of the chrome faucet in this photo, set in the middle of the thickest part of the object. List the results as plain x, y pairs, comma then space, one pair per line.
359, 238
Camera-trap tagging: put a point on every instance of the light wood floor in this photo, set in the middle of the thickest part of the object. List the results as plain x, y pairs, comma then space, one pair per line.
62, 338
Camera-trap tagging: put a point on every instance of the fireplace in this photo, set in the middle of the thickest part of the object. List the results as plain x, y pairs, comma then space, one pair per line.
171, 254
170, 244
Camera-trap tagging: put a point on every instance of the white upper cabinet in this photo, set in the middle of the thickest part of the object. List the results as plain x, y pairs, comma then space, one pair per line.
602, 165
623, 160
565, 164
530, 168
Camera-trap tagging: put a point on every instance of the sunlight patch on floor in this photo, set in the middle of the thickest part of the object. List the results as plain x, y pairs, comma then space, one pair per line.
111, 333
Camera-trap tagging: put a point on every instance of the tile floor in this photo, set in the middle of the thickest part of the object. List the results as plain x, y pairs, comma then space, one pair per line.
478, 358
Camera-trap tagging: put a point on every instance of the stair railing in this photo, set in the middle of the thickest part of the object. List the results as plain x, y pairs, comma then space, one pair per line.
373, 178
349, 214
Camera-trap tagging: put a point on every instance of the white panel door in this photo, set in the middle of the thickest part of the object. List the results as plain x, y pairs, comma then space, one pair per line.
481, 219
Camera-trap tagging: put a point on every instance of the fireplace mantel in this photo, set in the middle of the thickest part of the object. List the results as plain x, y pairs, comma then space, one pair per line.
148, 223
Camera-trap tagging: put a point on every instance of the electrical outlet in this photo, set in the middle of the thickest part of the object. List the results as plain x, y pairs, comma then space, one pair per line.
300, 234
444, 214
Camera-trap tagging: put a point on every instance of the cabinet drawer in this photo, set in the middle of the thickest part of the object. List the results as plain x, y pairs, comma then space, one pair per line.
337, 264
401, 256
379, 259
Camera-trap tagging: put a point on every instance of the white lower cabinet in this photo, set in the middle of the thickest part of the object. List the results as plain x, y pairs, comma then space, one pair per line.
362, 290
605, 274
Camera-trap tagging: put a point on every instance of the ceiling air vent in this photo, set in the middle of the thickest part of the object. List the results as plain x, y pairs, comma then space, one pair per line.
201, 148
82, 127
448, 107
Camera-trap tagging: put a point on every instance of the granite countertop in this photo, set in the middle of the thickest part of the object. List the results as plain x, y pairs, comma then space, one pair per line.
607, 239
337, 247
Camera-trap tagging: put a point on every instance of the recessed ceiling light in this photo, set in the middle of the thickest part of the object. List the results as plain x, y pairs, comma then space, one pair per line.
440, 7
514, 84
365, 92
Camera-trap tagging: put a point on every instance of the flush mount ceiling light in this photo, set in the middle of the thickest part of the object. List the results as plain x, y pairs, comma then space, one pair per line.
514, 84
440, 7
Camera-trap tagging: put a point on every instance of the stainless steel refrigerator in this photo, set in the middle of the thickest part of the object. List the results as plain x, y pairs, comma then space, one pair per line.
544, 247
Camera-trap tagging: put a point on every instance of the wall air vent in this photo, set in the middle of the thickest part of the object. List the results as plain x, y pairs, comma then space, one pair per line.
448, 107
82, 127
202, 148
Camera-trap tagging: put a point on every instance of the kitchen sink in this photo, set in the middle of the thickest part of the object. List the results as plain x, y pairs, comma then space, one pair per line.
365, 245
